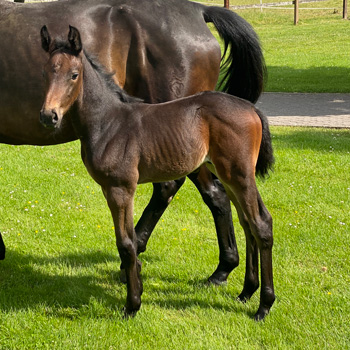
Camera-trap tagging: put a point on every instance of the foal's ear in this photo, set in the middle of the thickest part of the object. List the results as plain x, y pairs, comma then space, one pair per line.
45, 38
74, 40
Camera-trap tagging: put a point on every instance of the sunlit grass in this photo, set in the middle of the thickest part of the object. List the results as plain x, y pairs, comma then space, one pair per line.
310, 57
59, 284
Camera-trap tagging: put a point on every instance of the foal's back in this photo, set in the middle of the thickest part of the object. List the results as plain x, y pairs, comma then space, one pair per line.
175, 138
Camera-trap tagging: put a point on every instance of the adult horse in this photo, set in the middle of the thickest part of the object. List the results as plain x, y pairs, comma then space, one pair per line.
125, 142
159, 51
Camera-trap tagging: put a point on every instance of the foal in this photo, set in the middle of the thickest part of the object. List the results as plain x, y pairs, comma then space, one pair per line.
125, 142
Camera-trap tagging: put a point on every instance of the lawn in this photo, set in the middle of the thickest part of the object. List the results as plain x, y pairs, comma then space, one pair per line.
59, 281
310, 57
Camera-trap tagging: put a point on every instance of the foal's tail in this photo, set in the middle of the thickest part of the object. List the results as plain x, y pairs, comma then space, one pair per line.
266, 159
243, 62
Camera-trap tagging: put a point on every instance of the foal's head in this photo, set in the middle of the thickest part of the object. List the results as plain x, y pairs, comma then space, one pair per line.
63, 75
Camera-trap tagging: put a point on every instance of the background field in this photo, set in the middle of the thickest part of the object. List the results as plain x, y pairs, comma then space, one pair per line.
59, 286
310, 57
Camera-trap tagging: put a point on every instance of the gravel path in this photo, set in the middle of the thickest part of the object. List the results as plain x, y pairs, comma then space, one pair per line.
302, 109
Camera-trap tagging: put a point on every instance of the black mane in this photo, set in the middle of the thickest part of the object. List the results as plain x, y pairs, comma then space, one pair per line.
108, 78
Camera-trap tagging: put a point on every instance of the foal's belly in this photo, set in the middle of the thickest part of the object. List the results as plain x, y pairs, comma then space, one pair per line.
171, 168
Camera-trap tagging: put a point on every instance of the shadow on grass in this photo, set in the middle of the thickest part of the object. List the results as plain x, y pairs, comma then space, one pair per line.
29, 282
24, 284
315, 139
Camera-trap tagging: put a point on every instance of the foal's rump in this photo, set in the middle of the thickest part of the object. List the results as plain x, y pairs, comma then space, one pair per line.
238, 131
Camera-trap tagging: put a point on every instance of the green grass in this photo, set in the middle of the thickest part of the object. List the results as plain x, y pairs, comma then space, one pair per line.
59, 284
310, 57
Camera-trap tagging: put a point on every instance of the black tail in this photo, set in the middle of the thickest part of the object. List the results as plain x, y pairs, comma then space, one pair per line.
266, 159
243, 67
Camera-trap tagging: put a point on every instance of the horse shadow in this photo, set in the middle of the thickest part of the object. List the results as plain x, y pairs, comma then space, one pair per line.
28, 282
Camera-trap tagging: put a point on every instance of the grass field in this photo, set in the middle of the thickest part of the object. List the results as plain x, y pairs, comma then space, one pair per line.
59, 281
59, 286
310, 57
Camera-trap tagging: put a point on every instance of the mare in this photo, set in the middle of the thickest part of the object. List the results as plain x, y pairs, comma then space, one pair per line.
158, 51
125, 142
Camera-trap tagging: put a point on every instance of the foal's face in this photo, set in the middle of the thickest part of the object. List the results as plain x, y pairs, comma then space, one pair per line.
63, 75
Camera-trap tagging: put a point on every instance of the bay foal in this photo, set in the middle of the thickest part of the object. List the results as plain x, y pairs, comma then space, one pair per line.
125, 142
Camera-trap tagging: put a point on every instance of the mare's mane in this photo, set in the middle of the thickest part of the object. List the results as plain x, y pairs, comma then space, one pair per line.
64, 46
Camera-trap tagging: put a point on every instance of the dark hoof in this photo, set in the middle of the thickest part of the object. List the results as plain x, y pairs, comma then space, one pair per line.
218, 278
261, 314
127, 314
244, 297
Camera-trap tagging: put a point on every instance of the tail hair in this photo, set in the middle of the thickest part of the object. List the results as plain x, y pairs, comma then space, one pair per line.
243, 62
266, 159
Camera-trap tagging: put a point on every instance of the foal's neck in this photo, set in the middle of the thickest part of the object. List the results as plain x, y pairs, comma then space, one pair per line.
97, 105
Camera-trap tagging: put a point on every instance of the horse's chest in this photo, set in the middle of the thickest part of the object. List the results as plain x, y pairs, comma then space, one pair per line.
110, 164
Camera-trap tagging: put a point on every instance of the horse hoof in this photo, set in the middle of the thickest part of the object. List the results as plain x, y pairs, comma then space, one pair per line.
127, 314
218, 279
261, 314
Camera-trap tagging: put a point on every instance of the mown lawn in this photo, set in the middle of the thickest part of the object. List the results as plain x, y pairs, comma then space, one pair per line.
59, 285
310, 57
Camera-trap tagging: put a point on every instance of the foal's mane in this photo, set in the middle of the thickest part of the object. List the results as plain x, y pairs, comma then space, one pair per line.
64, 46
108, 78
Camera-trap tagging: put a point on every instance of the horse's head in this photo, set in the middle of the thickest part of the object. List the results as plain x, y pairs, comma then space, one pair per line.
63, 74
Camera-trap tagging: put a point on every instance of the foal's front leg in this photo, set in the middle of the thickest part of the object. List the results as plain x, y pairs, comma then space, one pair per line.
120, 201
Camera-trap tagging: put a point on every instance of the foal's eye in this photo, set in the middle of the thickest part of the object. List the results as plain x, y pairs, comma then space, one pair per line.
75, 76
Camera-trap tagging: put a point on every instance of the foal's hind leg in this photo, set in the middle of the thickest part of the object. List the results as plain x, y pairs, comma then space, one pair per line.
251, 279
2, 248
214, 196
244, 193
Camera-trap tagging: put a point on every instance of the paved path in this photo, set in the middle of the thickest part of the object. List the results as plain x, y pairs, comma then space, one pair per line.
299, 109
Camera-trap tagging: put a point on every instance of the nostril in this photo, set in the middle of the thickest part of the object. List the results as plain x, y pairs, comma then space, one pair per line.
54, 117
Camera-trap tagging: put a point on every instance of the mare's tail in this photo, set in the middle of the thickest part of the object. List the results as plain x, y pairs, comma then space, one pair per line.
266, 159
243, 62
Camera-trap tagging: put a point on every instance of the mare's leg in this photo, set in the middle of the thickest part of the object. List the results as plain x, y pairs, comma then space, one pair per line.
120, 202
163, 193
2, 248
253, 211
214, 196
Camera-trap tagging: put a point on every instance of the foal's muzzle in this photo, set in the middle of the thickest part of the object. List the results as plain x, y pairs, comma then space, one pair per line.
49, 118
